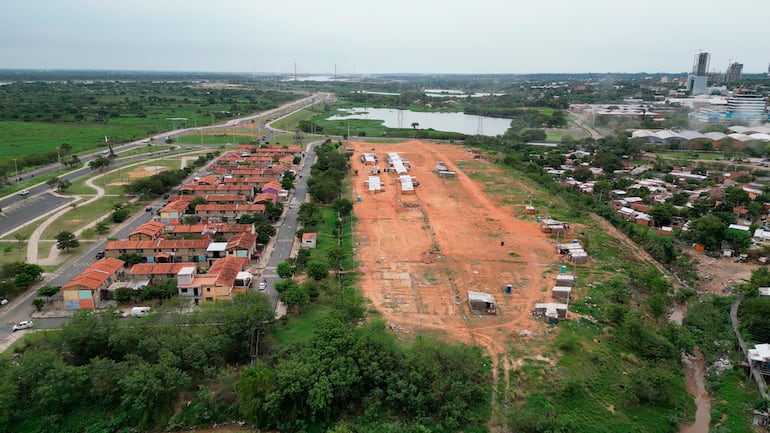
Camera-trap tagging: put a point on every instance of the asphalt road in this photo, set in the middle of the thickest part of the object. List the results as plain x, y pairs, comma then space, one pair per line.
284, 237
28, 209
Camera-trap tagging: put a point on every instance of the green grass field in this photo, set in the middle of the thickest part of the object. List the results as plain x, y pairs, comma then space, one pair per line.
81, 216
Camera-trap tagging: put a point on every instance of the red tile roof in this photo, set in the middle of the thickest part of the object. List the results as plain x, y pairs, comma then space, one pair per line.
150, 228
158, 268
226, 207
97, 274
159, 244
226, 269
242, 240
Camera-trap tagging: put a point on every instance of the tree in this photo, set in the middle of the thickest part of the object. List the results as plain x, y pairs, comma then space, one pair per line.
100, 163
65, 148
582, 174
343, 206
194, 203
48, 291
708, 231
38, 303
66, 240
131, 258
662, 214
63, 185
190, 219
318, 270
102, 227
415, 125
335, 255
287, 183
295, 297
52, 181
284, 269
19, 237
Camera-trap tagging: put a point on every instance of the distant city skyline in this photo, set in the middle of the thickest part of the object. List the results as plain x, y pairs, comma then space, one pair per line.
398, 36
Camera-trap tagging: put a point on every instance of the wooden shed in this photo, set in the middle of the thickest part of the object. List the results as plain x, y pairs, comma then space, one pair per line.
481, 303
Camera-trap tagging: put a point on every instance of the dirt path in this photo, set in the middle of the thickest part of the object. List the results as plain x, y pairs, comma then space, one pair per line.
421, 253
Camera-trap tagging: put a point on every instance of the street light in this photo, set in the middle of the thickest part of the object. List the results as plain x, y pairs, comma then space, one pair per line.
17, 169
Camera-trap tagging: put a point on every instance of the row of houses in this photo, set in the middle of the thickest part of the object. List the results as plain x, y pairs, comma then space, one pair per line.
210, 259
697, 140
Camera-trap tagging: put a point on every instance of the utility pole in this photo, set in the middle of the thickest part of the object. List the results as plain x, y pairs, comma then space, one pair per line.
17, 169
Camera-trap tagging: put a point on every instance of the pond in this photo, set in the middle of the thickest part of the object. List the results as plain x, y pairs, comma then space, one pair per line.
450, 122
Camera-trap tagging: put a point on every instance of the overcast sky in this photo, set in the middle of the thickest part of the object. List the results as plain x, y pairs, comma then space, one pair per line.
360, 36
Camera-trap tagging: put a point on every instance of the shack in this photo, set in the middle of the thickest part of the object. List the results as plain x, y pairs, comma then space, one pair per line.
548, 225
481, 303
551, 310
565, 280
561, 292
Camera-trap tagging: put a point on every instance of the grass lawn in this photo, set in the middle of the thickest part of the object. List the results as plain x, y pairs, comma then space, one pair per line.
10, 252
112, 181
299, 329
291, 123
81, 216
688, 155
31, 339
556, 135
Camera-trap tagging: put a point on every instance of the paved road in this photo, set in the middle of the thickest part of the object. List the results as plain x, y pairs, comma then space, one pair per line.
27, 210
284, 238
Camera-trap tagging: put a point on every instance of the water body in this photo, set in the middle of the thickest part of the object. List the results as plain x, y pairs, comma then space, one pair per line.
451, 122
449, 93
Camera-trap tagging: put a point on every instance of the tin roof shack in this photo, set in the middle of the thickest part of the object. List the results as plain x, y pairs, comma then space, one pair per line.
565, 280
481, 303
560, 292
548, 225
574, 252
551, 310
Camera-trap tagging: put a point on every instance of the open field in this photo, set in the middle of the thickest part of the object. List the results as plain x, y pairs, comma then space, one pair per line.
421, 253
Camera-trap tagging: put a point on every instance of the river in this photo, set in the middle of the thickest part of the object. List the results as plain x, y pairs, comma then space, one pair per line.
696, 384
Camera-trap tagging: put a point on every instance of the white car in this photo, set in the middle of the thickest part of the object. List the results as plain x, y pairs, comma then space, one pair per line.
24, 324
262, 285
24, 193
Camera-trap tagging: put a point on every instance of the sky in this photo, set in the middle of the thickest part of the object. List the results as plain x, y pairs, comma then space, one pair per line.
376, 36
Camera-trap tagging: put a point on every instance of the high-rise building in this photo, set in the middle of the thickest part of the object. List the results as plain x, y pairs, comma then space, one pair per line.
697, 82
701, 64
734, 72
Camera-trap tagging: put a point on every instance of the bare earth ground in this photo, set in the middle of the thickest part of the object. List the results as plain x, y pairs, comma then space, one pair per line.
421, 253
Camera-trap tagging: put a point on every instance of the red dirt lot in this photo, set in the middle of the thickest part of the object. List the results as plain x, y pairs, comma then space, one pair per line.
420, 253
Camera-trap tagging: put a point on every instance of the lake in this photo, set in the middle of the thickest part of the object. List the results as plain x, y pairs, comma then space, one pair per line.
451, 122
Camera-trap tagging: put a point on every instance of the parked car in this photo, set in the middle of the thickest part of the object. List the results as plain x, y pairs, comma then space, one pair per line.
24, 193
99, 255
148, 208
3, 301
140, 311
263, 285
24, 324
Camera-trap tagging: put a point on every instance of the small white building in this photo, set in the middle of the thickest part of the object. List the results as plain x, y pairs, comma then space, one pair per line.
309, 240
481, 302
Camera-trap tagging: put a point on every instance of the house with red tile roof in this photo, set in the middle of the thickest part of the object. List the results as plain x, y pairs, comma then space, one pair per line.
226, 212
156, 272
272, 188
173, 210
147, 231
242, 245
308, 240
209, 231
193, 189
226, 277
162, 250
85, 290
266, 197
225, 198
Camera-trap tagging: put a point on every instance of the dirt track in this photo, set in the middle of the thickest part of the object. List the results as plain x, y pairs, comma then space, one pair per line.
421, 253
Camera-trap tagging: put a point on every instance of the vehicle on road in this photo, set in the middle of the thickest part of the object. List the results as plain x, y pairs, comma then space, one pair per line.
140, 311
24, 324
148, 208
99, 255
24, 193
263, 285
3, 301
